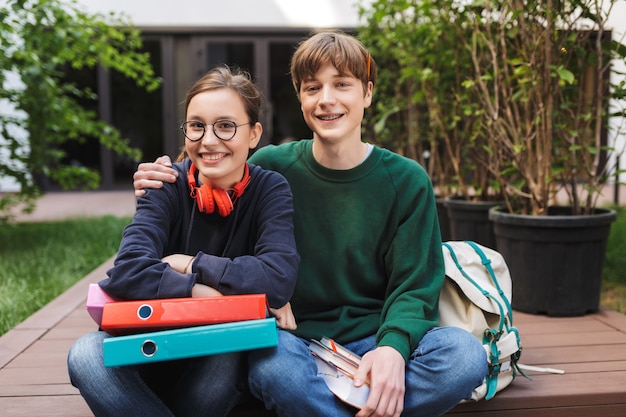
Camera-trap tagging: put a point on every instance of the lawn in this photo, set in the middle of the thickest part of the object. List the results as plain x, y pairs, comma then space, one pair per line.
614, 283
38, 261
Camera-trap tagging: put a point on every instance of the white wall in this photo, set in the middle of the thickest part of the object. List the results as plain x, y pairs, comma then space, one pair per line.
617, 23
233, 13
8, 110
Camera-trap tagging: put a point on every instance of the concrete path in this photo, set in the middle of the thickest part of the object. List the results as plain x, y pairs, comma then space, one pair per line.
75, 204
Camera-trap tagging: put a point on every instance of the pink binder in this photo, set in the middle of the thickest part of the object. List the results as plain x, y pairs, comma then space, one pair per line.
96, 298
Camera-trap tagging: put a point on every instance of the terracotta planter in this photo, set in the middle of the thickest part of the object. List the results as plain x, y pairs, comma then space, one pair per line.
555, 261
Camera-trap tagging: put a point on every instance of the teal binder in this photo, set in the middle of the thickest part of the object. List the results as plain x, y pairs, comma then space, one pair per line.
190, 342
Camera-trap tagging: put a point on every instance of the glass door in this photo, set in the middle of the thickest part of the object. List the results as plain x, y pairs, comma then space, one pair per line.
267, 60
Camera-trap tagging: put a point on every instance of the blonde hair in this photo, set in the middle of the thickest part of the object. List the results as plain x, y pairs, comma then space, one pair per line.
343, 51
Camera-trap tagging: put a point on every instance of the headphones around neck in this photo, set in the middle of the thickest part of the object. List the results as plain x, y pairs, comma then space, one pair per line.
209, 198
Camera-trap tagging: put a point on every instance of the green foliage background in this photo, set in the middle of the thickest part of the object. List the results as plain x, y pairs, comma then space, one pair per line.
40, 40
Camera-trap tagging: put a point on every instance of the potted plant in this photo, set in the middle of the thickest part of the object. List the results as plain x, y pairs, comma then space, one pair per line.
424, 111
542, 72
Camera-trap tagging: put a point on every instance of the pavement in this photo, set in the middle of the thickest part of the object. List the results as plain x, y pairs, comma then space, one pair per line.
63, 205
60, 205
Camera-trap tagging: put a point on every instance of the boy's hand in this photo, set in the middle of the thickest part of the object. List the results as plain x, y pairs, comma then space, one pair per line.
153, 174
385, 367
284, 317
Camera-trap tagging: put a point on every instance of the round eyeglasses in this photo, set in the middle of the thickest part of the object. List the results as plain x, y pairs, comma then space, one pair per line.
194, 130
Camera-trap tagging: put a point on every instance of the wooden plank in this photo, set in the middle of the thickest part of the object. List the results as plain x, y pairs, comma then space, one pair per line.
561, 326
33, 376
573, 354
587, 411
573, 339
38, 390
68, 333
599, 367
546, 391
13, 342
49, 406
613, 319
43, 354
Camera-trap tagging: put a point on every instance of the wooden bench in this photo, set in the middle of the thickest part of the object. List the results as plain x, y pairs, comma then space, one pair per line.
591, 349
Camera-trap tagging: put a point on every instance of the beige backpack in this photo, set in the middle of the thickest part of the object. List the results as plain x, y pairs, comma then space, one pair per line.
476, 296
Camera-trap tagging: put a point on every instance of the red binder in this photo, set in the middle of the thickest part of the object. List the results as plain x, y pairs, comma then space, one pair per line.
123, 317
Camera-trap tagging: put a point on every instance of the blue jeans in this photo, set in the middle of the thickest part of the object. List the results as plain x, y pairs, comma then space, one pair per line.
444, 369
205, 386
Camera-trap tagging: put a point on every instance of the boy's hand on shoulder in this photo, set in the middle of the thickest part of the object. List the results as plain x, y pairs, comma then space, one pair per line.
385, 367
153, 174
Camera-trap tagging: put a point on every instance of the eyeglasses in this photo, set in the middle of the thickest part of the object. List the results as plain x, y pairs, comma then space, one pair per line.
194, 130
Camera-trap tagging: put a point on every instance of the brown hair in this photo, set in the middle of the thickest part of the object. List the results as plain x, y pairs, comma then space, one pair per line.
343, 51
235, 79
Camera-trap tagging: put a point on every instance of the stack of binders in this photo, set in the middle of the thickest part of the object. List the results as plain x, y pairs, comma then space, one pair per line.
166, 329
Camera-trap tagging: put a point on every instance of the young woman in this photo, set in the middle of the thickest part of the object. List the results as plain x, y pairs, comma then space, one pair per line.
224, 227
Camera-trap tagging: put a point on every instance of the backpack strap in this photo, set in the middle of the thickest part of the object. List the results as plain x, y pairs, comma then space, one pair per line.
487, 264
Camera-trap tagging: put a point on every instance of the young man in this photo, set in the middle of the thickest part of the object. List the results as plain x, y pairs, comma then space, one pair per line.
371, 270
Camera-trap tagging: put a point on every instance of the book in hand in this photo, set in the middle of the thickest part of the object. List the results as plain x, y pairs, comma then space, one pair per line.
337, 366
96, 299
124, 317
190, 342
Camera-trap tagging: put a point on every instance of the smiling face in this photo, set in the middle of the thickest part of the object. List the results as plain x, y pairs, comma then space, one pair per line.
333, 103
221, 163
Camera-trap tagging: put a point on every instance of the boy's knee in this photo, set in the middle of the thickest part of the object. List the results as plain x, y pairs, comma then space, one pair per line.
470, 352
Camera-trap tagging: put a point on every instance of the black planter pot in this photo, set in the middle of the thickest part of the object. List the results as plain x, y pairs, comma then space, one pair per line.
469, 220
444, 223
555, 261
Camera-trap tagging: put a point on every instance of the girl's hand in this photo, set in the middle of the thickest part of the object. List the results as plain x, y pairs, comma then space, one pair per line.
284, 317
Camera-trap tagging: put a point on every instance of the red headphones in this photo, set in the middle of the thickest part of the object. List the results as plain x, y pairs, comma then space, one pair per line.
208, 198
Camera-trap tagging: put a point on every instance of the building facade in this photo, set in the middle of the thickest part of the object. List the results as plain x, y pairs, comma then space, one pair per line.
185, 39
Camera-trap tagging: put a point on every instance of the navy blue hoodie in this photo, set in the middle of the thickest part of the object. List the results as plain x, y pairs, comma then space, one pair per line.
252, 250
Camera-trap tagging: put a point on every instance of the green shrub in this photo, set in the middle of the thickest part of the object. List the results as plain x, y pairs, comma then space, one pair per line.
615, 262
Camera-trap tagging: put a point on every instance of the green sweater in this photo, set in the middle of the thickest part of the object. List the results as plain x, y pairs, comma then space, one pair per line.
370, 244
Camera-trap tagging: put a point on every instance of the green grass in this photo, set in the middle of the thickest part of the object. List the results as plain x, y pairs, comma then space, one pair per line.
615, 263
38, 261
614, 283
